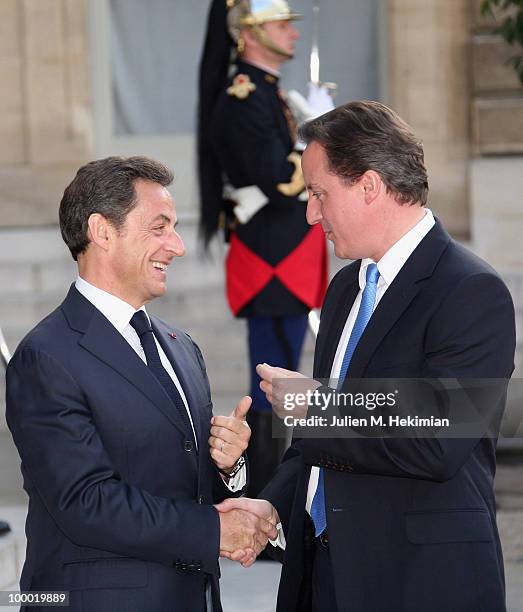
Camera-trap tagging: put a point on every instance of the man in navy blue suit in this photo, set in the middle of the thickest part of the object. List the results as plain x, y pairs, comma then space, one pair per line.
110, 410
391, 524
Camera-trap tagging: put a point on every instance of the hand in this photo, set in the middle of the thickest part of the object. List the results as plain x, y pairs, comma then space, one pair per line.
264, 510
281, 385
230, 436
244, 534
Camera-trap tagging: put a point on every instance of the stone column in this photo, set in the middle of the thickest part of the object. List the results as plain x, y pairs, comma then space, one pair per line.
45, 115
428, 85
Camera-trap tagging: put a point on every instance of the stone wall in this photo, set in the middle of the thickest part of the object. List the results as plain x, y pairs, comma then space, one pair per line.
45, 110
428, 82
496, 166
497, 105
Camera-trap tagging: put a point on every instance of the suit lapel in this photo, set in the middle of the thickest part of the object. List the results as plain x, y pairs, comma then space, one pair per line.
419, 266
103, 341
181, 362
395, 301
345, 299
397, 298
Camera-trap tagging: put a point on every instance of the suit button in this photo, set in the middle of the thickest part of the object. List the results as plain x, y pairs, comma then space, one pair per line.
201, 499
187, 445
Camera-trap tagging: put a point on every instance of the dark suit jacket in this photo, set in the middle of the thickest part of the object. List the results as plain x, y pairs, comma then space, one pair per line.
411, 522
120, 500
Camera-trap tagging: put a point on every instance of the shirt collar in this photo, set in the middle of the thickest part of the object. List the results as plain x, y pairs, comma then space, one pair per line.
116, 311
244, 66
394, 259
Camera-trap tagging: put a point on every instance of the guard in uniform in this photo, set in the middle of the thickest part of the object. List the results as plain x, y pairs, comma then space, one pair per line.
251, 183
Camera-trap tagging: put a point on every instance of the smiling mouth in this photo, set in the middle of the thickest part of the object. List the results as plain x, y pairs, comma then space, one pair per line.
159, 265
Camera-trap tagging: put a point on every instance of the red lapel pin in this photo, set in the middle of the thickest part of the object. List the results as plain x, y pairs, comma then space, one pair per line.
172, 335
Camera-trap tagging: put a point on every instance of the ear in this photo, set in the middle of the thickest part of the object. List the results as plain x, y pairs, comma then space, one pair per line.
99, 231
372, 185
248, 37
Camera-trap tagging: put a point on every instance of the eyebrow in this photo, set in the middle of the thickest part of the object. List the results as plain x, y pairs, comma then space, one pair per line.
163, 217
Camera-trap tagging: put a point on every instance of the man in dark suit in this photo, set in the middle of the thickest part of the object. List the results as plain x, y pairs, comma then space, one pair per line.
110, 410
393, 524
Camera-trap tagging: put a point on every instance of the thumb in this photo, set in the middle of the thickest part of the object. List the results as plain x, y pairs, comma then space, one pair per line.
230, 503
241, 410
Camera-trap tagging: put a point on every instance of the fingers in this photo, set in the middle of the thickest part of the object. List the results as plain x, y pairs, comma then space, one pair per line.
224, 434
220, 458
225, 447
230, 423
260, 507
226, 454
269, 530
265, 371
268, 372
230, 436
267, 389
229, 555
241, 410
231, 503
249, 559
244, 556
261, 529
255, 530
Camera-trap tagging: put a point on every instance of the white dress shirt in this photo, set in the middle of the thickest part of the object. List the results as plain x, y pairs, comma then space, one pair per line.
119, 314
388, 267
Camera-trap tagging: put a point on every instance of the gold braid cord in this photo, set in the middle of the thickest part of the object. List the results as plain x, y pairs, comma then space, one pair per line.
296, 184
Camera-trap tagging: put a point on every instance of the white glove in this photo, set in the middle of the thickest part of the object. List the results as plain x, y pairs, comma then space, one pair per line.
319, 100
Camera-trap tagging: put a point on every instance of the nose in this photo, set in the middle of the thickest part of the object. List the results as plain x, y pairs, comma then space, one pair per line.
313, 213
175, 245
294, 32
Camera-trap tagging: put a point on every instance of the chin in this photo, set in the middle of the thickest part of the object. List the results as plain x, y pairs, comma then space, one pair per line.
157, 291
343, 254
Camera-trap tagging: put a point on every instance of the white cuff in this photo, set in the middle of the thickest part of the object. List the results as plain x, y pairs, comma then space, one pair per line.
237, 482
280, 539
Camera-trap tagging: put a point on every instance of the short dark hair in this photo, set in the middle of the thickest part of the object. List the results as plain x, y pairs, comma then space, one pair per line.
367, 135
104, 186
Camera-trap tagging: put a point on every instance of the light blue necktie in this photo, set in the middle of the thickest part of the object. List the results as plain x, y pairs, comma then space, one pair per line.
364, 314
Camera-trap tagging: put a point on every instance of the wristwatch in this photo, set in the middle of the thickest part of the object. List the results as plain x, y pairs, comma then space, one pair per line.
235, 469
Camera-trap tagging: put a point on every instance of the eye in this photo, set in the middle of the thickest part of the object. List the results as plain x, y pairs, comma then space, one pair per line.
158, 228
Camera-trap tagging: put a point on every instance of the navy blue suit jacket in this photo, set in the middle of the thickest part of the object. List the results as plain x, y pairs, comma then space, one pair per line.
411, 522
120, 500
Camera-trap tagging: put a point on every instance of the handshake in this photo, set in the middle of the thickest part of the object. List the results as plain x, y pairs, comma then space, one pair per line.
246, 525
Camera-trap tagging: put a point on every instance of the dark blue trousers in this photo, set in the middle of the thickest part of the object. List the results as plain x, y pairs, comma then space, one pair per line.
277, 341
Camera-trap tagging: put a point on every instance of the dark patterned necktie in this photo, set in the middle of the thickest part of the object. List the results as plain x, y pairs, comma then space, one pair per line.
141, 325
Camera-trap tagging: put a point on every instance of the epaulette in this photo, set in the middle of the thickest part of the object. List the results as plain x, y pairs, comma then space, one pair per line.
241, 87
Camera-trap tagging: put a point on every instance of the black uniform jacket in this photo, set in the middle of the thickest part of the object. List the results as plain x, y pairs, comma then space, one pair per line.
252, 138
